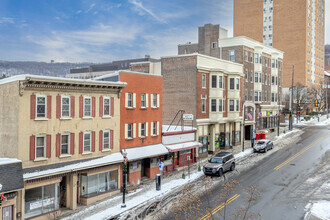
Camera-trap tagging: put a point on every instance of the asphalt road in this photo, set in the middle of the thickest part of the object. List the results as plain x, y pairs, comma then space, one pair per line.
279, 176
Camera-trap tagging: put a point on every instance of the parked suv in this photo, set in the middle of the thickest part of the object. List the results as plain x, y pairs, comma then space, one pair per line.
219, 164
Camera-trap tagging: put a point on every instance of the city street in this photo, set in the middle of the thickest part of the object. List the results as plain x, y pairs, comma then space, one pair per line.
288, 179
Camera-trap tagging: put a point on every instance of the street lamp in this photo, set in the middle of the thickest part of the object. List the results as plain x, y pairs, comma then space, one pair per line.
124, 153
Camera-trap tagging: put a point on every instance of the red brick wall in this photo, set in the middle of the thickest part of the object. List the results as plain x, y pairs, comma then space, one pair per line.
202, 92
135, 178
152, 172
140, 83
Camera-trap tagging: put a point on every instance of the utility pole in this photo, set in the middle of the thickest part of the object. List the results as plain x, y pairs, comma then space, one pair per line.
279, 116
291, 103
297, 106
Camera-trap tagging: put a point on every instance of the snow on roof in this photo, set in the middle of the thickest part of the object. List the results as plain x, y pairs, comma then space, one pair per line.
26, 76
5, 160
183, 146
146, 151
110, 159
175, 128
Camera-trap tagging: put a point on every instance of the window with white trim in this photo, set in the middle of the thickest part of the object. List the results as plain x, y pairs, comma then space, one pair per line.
130, 100
65, 106
143, 100
154, 100
213, 105
130, 130
106, 106
87, 106
40, 146
232, 55
106, 140
232, 83
65, 144
237, 105
237, 83
220, 105
203, 105
214, 81
203, 81
154, 128
87, 141
41, 106
231, 105
221, 82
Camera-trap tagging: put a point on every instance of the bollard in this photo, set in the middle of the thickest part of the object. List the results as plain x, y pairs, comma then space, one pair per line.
158, 182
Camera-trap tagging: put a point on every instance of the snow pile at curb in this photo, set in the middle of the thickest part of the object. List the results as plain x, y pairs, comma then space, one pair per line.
286, 134
318, 210
243, 154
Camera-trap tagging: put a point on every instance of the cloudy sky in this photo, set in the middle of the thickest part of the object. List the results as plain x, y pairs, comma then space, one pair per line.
106, 30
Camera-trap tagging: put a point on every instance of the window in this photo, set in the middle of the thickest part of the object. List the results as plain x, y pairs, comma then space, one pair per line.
232, 55
106, 106
214, 81
203, 105
65, 107
42, 200
265, 28
214, 45
106, 140
143, 100
270, 27
130, 100
99, 183
273, 63
213, 105
129, 130
237, 105
87, 142
273, 97
260, 78
143, 129
232, 83
246, 75
266, 62
220, 105
256, 58
270, 36
154, 100
260, 59
203, 81
256, 77
41, 106
204, 141
237, 84
270, 18
40, 147
264, 37
259, 96
231, 105
251, 76
154, 128
251, 57
273, 80
221, 82
255, 96
65, 144
87, 107
246, 56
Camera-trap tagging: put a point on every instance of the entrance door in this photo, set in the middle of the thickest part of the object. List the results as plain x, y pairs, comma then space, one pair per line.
7, 213
63, 192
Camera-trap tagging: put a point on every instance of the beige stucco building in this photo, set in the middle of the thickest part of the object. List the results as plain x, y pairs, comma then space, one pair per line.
66, 133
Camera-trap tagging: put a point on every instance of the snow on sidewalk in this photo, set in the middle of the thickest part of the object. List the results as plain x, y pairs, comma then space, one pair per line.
318, 210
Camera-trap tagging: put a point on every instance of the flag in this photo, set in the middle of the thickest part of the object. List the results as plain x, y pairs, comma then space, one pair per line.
260, 114
250, 116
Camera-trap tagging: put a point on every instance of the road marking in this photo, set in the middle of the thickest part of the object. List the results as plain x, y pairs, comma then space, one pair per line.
299, 153
221, 206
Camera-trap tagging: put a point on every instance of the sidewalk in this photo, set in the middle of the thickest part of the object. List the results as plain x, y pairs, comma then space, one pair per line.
110, 208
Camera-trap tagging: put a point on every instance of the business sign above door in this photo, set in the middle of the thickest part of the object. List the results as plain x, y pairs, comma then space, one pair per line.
188, 117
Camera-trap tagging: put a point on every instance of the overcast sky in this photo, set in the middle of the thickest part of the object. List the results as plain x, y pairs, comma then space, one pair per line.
106, 30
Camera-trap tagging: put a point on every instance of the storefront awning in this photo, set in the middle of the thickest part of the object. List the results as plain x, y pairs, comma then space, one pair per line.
148, 151
183, 146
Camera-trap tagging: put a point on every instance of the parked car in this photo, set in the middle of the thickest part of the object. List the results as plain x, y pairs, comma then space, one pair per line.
219, 164
263, 145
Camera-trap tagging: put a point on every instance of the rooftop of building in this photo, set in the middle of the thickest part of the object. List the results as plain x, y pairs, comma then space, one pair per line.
116, 73
29, 77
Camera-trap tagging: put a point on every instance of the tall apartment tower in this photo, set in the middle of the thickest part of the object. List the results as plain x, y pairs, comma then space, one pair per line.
295, 27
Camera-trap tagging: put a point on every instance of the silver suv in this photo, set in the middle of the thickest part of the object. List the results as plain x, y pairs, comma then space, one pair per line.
219, 164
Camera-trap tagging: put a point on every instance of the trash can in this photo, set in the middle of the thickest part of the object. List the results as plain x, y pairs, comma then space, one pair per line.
158, 182
257, 136
262, 135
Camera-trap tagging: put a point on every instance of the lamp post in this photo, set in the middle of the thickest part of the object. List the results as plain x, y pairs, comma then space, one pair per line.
124, 153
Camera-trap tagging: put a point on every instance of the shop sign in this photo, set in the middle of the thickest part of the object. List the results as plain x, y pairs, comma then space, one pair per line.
42, 203
188, 117
269, 113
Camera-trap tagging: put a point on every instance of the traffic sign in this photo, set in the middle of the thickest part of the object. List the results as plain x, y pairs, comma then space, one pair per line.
188, 117
160, 165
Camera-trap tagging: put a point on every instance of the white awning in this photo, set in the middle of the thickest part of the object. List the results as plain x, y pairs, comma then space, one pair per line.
148, 151
183, 146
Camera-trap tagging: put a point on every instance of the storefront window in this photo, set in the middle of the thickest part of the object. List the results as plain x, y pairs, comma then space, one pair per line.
41, 200
217, 141
237, 137
204, 141
99, 183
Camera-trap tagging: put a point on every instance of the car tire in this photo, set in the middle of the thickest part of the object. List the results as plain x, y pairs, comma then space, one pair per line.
232, 167
220, 172
265, 150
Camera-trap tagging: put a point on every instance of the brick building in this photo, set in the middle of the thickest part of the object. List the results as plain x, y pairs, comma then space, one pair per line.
262, 67
68, 146
212, 91
295, 27
141, 115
